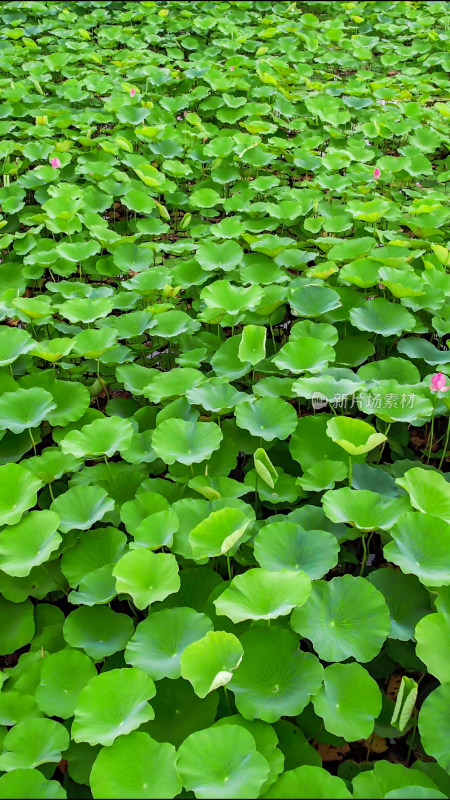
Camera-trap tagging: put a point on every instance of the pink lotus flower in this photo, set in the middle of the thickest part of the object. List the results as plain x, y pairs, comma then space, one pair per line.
55, 163
438, 382
231, 69
132, 92
376, 173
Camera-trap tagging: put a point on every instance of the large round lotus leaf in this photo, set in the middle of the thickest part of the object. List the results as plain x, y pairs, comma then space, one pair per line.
33, 742
433, 645
29, 543
29, 783
285, 545
345, 617
217, 395
434, 725
93, 550
174, 383
275, 678
363, 508
25, 408
134, 512
112, 704
103, 437
263, 594
71, 402
204, 198
407, 600
98, 630
310, 438
421, 546
179, 711
209, 662
252, 347
16, 625
147, 576
92, 343
222, 762
218, 533
63, 676
268, 418
354, 435
382, 317
312, 301
418, 792
428, 491
81, 507
304, 355
308, 783
266, 741
135, 766
14, 342
224, 256
348, 701
323, 475
159, 641
86, 309
177, 441
387, 777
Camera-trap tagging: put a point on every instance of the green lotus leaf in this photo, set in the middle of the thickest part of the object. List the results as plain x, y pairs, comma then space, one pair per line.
135, 766
433, 645
354, 435
434, 725
103, 437
345, 617
323, 475
112, 704
229, 299
16, 625
268, 418
428, 491
52, 350
25, 408
310, 438
147, 576
348, 702
175, 440
386, 777
407, 600
421, 546
252, 348
308, 783
285, 545
81, 507
418, 792
218, 533
266, 741
274, 678
14, 342
30, 783
86, 309
304, 355
93, 343
99, 631
179, 711
160, 640
94, 549
209, 662
263, 594
63, 675
313, 301
382, 317
222, 762
172, 384
205, 198
216, 395
28, 543
366, 509
33, 742
264, 467
225, 256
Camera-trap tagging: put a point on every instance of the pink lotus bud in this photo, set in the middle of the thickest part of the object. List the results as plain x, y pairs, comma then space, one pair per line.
132, 92
438, 382
231, 69
55, 162
376, 173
